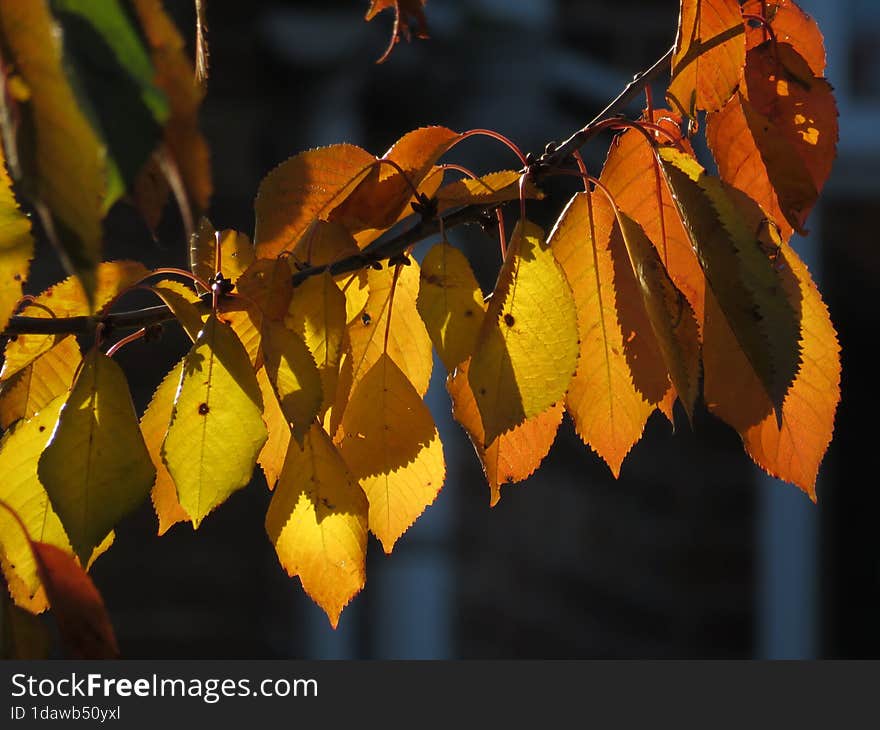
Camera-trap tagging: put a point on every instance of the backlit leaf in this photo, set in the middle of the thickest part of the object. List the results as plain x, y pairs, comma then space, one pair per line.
16, 246
86, 632
496, 187
273, 453
183, 303
450, 303
68, 299
408, 343
527, 350
317, 521
791, 25
516, 454
671, 317
303, 189
34, 387
67, 147
709, 55
392, 447
294, 376
738, 271
408, 15
96, 469
154, 426
608, 410
236, 252
216, 429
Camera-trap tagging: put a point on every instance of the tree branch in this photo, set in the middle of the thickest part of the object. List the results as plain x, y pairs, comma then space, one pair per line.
377, 252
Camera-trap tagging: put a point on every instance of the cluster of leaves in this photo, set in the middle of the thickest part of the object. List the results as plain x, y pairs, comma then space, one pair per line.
312, 347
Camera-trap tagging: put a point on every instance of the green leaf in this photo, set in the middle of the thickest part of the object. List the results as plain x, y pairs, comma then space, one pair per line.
111, 72
96, 469
738, 271
216, 429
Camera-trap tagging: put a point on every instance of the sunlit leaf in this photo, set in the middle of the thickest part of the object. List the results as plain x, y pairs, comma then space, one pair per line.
527, 350
317, 521
273, 453
608, 410
496, 187
450, 303
709, 55
405, 340
16, 247
183, 303
96, 469
216, 429
236, 252
516, 454
303, 189
154, 426
392, 447
67, 148
408, 16
267, 284
34, 387
68, 299
738, 271
789, 24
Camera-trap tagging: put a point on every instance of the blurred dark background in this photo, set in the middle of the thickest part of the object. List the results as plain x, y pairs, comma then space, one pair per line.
693, 552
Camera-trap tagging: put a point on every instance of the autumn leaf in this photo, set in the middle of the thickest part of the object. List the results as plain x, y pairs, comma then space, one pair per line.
154, 426
317, 521
789, 24
216, 429
405, 339
16, 247
85, 628
68, 299
183, 303
778, 139
516, 454
303, 189
67, 147
670, 315
738, 272
450, 303
709, 55
527, 350
96, 468
236, 252
608, 410
34, 387
391, 445
273, 453
633, 176
174, 76
408, 15
495, 187
23, 635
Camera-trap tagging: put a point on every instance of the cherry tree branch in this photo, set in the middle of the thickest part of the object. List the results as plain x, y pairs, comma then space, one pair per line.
383, 249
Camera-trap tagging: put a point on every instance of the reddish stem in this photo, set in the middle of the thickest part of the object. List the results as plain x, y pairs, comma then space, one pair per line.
502, 234
125, 340
494, 135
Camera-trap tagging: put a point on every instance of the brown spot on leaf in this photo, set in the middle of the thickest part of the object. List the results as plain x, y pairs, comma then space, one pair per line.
508, 319
203, 409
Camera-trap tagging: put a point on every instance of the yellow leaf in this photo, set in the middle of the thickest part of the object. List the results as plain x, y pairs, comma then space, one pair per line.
68, 299
96, 469
294, 376
408, 343
154, 426
392, 447
267, 283
302, 189
71, 161
216, 429
16, 247
49, 376
527, 350
710, 52
236, 252
496, 187
317, 521
608, 410
183, 303
271, 458
450, 303
513, 456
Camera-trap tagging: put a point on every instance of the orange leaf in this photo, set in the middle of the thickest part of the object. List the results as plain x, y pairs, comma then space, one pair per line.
514, 455
408, 14
709, 55
608, 406
82, 619
793, 450
303, 189
496, 187
790, 25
